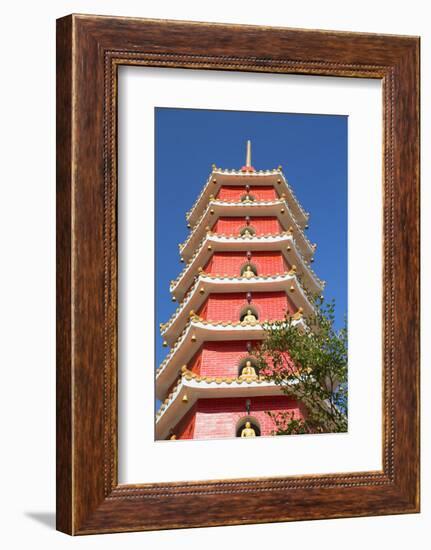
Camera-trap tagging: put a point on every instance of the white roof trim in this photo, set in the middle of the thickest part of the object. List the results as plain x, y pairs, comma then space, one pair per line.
204, 331
221, 243
239, 209
258, 177
218, 284
173, 411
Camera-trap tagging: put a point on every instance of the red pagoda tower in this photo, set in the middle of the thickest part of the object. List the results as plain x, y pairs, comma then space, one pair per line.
247, 262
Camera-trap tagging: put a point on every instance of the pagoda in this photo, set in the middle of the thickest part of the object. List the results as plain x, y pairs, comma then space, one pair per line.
247, 262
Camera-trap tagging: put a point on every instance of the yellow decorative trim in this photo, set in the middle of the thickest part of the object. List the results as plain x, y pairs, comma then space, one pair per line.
254, 203
199, 248
188, 375
193, 316
212, 177
298, 315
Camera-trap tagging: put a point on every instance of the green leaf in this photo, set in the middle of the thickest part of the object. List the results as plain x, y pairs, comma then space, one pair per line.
311, 367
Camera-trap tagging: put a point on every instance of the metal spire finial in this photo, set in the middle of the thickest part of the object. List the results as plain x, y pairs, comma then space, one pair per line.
247, 166
248, 154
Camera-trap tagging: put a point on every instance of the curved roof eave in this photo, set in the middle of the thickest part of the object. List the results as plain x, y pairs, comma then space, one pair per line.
208, 284
233, 177
218, 243
215, 209
188, 390
199, 331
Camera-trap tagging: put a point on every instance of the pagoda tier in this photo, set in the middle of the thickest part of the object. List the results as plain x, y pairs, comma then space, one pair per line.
275, 211
214, 243
193, 388
221, 358
248, 266
219, 178
216, 358
207, 284
223, 418
196, 332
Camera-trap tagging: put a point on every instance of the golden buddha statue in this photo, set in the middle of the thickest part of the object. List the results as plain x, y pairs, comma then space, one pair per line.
248, 273
248, 371
249, 317
247, 233
248, 431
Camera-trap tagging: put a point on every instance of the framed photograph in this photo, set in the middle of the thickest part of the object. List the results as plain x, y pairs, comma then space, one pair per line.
237, 274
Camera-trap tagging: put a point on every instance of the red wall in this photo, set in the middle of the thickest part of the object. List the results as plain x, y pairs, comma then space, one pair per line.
230, 263
261, 224
196, 361
185, 428
228, 307
219, 358
234, 193
218, 418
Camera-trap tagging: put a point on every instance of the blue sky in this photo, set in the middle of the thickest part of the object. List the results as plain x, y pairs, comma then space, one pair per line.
313, 152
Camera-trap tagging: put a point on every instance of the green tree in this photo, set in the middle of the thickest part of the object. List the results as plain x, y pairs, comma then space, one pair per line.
309, 362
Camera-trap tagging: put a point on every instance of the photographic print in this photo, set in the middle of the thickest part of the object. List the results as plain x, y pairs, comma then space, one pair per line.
251, 274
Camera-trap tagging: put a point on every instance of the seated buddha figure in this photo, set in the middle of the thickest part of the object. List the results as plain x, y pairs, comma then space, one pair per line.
249, 317
248, 273
248, 431
247, 233
248, 371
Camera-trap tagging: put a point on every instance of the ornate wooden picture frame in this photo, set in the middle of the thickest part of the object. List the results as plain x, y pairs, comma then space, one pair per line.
89, 51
